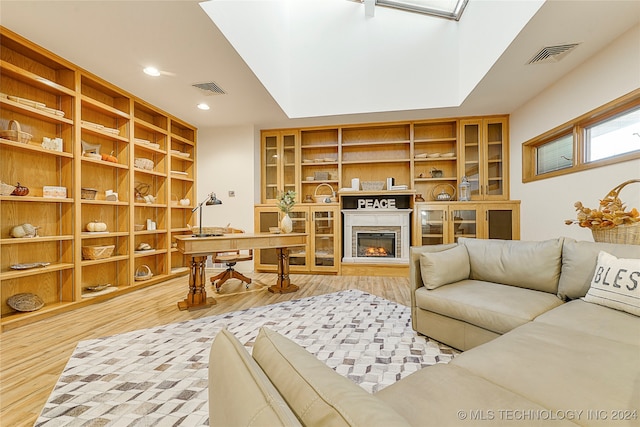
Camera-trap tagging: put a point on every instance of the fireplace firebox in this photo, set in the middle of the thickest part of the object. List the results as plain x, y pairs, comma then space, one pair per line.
376, 245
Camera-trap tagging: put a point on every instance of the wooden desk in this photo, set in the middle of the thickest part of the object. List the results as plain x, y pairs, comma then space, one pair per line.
201, 247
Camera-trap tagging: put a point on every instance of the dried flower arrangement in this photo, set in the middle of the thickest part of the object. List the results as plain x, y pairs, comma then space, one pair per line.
286, 201
609, 214
611, 222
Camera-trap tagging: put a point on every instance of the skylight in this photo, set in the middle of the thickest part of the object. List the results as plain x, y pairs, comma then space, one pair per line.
451, 9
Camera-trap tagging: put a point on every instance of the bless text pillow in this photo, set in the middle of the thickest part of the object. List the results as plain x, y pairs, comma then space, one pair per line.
615, 283
442, 268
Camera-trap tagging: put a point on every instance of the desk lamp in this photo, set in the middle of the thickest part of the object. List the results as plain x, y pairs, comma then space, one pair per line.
210, 200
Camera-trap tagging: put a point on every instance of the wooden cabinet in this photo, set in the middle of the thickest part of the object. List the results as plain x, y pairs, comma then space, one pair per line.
103, 128
321, 221
484, 157
280, 160
376, 152
319, 165
182, 150
95, 135
441, 222
435, 157
150, 175
38, 93
427, 156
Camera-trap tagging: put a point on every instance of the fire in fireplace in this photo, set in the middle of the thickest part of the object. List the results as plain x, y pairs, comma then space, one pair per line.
378, 245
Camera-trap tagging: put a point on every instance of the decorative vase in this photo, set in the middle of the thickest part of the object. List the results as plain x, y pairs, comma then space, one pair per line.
286, 226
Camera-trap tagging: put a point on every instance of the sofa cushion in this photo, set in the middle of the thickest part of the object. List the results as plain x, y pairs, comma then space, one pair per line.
532, 265
442, 268
248, 398
561, 369
579, 264
317, 394
595, 320
448, 395
615, 283
492, 306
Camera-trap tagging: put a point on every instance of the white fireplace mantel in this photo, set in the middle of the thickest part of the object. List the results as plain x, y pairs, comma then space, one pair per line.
380, 220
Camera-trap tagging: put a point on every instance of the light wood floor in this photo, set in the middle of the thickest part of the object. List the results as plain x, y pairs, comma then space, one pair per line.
32, 357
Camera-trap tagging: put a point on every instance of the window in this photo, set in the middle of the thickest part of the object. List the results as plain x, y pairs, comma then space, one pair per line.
555, 155
451, 9
607, 135
613, 137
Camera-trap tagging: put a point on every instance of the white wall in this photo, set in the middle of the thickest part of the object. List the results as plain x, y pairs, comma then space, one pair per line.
613, 72
226, 163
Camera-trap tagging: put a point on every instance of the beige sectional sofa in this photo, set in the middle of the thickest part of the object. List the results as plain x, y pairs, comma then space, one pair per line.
542, 356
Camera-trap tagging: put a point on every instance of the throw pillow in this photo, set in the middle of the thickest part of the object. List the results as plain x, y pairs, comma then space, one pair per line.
615, 283
442, 268
526, 264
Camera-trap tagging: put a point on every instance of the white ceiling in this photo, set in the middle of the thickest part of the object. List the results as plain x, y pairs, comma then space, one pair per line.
116, 39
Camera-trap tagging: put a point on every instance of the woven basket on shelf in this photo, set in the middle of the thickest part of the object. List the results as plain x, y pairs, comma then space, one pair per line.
372, 185
322, 198
97, 251
628, 234
15, 134
143, 273
88, 193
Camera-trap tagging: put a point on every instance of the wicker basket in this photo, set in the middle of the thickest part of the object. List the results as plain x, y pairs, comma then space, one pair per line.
372, 185
97, 251
15, 134
143, 273
88, 193
142, 163
211, 230
627, 234
624, 234
322, 198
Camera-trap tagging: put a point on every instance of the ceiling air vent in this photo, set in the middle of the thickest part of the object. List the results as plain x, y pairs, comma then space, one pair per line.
210, 88
552, 53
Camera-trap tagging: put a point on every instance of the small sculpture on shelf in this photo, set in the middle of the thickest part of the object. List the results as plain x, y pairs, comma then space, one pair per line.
24, 230
96, 227
20, 190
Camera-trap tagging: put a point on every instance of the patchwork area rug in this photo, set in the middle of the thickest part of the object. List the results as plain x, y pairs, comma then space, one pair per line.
159, 377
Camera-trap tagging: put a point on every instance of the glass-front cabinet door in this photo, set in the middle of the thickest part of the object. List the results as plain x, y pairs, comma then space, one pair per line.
464, 223
430, 224
289, 177
440, 223
470, 165
267, 218
495, 159
298, 254
279, 160
484, 157
270, 169
324, 238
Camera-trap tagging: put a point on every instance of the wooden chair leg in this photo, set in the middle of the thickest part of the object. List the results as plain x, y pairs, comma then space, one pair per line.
237, 275
219, 279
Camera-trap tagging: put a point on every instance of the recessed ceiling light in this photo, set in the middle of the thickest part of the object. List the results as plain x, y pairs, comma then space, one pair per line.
152, 71
203, 106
